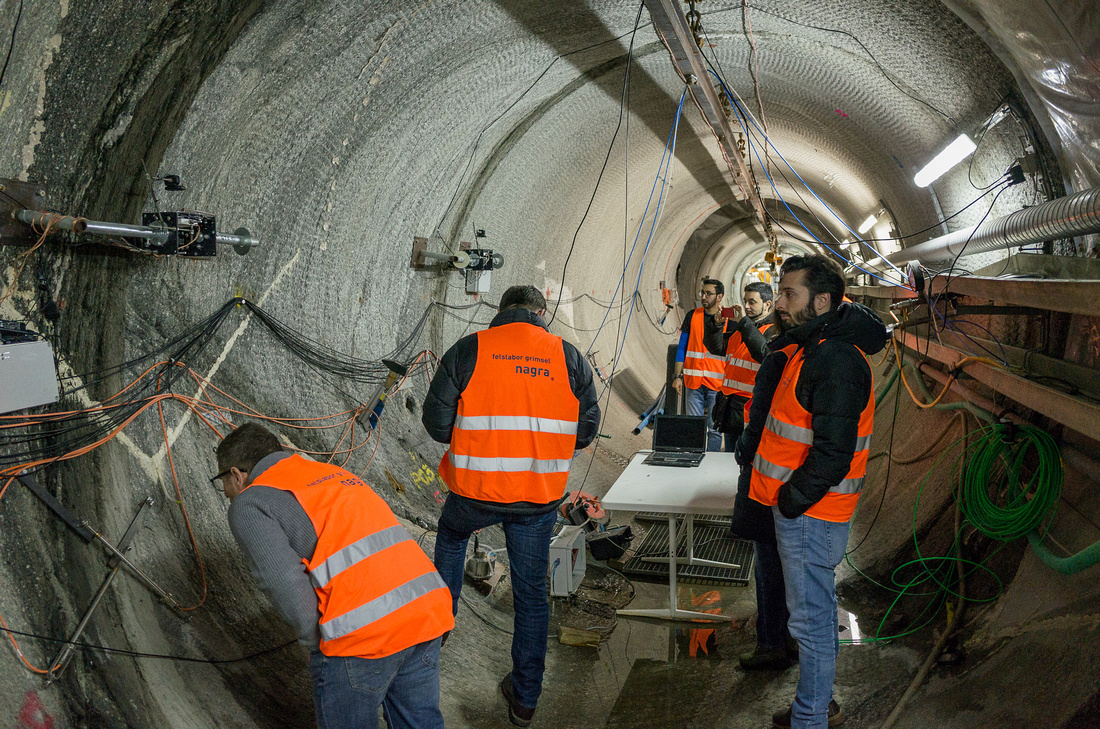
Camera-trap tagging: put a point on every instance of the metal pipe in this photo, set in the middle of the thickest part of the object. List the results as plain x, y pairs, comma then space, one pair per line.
141, 576
1065, 217
241, 239
40, 219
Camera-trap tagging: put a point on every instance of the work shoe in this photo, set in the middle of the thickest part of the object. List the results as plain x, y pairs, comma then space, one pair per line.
836, 716
765, 659
517, 714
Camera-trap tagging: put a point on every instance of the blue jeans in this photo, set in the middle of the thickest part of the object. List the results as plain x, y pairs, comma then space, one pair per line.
701, 402
771, 598
347, 691
810, 550
527, 538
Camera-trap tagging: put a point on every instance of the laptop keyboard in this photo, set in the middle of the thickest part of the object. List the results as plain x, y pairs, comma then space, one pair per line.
678, 460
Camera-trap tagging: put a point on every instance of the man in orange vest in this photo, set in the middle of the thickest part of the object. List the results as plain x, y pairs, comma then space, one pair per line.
513, 402
334, 561
745, 344
699, 368
811, 460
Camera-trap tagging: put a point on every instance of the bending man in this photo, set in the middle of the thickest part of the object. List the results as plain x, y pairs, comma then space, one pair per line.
332, 558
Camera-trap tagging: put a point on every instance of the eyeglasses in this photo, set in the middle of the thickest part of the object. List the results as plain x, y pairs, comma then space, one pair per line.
708, 293
214, 480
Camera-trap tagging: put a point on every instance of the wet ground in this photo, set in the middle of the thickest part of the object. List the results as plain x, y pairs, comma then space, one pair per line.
1029, 660
651, 673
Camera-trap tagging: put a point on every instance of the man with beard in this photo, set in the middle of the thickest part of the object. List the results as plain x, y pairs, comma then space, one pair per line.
808, 438
699, 367
745, 345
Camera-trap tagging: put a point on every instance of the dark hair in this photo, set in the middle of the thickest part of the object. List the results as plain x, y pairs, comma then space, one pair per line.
526, 296
246, 446
823, 276
765, 290
719, 287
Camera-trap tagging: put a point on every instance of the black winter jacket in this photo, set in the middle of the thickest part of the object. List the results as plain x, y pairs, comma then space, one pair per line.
834, 386
457, 367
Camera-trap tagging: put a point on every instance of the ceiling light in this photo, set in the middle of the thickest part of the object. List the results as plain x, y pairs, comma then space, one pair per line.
867, 224
955, 153
845, 243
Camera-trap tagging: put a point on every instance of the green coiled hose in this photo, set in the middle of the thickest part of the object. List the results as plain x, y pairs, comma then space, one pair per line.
995, 494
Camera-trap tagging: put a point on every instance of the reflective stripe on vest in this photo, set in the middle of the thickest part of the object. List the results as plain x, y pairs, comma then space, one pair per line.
701, 368
371, 544
846, 486
377, 591
517, 422
516, 425
740, 369
510, 465
382, 606
786, 442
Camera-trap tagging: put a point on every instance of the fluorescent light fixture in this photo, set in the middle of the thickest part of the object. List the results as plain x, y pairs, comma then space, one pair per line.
845, 243
955, 153
867, 224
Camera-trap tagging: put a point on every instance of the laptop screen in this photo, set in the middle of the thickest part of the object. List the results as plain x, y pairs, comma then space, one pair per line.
680, 433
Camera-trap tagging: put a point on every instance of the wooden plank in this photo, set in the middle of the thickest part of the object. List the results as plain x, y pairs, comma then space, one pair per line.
1074, 297
1073, 412
890, 293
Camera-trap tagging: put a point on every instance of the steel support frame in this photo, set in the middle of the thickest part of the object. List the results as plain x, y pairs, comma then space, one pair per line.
672, 27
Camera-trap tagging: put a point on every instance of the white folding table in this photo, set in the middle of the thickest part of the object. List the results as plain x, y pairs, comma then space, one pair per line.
709, 488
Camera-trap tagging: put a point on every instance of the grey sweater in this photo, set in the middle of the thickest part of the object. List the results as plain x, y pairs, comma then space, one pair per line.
275, 535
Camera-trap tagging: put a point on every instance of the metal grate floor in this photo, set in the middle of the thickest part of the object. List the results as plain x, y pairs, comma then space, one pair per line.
711, 542
700, 519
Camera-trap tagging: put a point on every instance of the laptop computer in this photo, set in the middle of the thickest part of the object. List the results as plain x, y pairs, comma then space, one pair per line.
678, 440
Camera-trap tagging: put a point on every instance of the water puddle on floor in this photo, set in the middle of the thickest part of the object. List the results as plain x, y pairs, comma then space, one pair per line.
651, 673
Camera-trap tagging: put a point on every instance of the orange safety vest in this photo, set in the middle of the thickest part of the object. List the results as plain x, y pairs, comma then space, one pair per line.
701, 368
377, 592
786, 441
516, 426
741, 368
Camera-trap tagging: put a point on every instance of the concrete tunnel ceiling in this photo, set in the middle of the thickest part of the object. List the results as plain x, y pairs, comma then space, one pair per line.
338, 135
337, 131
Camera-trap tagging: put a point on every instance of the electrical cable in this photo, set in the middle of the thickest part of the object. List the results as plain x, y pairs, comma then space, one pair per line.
960, 211
11, 46
140, 654
743, 113
993, 494
978, 144
664, 167
603, 168
886, 483
870, 55
740, 111
962, 250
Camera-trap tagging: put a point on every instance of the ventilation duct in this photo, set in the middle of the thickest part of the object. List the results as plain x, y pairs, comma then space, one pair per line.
1065, 217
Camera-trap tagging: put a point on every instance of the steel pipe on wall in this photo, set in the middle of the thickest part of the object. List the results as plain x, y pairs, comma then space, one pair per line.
1065, 217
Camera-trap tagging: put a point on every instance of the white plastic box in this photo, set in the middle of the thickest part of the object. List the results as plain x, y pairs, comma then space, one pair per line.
27, 376
567, 560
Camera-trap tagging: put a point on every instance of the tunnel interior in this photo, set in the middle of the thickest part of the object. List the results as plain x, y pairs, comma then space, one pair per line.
561, 136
